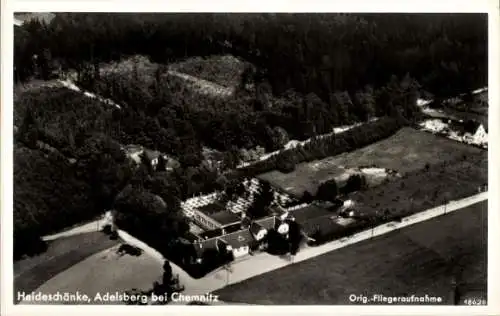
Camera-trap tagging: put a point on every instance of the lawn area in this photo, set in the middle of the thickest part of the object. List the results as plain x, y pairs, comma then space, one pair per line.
406, 151
106, 272
420, 259
61, 254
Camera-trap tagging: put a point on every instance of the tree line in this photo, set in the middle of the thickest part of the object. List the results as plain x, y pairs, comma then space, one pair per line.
319, 148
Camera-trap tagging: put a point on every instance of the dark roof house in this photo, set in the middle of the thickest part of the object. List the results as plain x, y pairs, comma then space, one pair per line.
231, 228
255, 228
258, 231
213, 243
239, 239
211, 233
267, 223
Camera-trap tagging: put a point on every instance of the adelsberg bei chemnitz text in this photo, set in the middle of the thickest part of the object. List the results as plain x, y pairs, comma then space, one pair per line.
116, 297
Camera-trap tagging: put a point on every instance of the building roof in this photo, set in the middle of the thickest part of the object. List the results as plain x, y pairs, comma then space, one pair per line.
309, 212
278, 222
231, 228
212, 243
255, 228
267, 222
191, 237
239, 238
211, 233
225, 218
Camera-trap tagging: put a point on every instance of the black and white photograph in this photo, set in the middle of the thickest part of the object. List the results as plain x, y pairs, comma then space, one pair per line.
250, 158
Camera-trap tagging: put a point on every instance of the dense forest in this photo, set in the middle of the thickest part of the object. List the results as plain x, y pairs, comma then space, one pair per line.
311, 72
320, 53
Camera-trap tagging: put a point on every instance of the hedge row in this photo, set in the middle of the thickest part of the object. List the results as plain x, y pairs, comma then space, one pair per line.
325, 146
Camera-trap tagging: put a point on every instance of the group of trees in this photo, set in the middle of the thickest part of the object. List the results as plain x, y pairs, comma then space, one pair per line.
174, 120
162, 113
48, 196
53, 191
330, 189
149, 206
280, 244
320, 148
262, 200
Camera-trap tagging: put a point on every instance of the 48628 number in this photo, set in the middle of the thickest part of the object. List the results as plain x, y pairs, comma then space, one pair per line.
474, 301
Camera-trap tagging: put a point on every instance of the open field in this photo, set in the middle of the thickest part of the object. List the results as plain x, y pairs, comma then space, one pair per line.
61, 254
106, 272
422, 259
424, 189
223, 70
406, 151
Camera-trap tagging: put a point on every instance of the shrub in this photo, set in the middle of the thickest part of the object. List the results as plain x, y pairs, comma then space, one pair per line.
355, 182
107, 229
130, 250
327, 191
